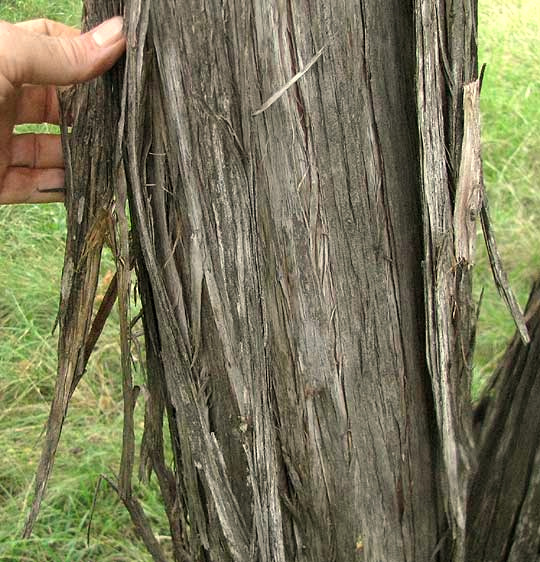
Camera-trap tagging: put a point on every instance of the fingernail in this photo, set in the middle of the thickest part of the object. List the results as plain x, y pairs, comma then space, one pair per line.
109, 32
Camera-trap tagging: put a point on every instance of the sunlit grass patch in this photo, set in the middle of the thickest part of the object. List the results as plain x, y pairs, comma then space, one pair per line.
510, 105
68, 11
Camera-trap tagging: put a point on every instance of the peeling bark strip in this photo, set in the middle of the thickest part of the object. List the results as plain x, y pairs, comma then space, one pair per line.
89, 202
500, 277
471, 201
446, 61
470, 187
274, 97
279, 262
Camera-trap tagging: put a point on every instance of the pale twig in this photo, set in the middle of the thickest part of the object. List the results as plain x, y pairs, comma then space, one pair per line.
274, 97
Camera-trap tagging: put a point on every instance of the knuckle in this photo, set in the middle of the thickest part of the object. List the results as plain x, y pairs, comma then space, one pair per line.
74, 56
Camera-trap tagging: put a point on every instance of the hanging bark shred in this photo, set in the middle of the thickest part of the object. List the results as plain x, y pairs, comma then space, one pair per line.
471, 202
93, 213
499, 275
89, 200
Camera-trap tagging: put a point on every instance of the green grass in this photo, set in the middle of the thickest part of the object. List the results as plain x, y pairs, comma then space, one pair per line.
68, 11
510, 104
31, 238
32, 242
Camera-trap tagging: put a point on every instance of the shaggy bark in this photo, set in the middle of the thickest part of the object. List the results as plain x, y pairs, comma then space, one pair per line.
272, 240
290, 170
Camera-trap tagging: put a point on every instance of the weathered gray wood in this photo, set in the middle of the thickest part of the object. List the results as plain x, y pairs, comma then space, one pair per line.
446, 57
296, 243
293, 217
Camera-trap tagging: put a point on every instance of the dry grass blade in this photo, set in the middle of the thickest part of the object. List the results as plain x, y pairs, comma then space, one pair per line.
500, 277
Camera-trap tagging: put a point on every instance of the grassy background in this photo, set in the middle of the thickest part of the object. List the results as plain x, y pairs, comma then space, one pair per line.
32, 242
68, 11
509, 44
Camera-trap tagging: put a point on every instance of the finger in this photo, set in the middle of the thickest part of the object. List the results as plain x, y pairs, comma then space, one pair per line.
25, 185
37, 104
42, 59
37, 151
48, 27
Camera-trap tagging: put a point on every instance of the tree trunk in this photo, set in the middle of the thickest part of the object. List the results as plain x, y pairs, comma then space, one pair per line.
504, 512
289, 172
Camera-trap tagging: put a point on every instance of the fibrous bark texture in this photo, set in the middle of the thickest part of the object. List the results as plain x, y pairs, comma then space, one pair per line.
282, 175
278, 252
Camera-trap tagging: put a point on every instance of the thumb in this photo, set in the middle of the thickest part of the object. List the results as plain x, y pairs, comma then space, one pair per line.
61, 60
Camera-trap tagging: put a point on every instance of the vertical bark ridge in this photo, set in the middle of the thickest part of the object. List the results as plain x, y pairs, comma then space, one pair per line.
446, 61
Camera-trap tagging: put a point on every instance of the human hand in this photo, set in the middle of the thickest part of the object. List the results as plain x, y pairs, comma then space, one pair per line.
35, 57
